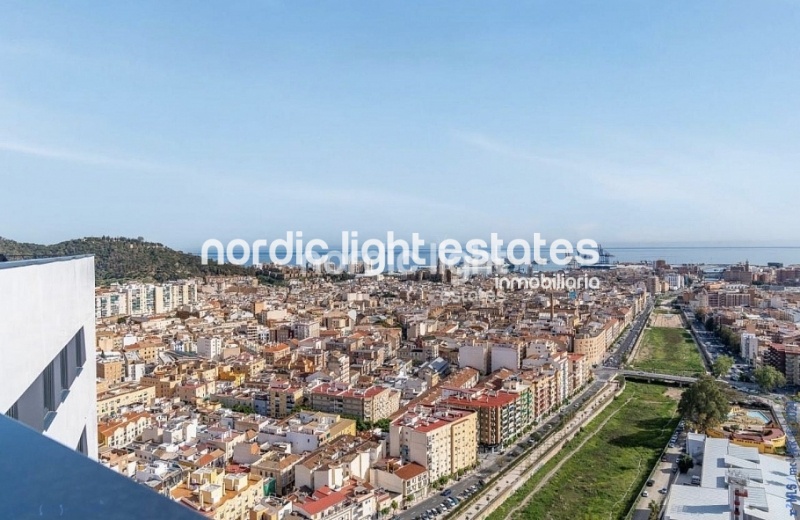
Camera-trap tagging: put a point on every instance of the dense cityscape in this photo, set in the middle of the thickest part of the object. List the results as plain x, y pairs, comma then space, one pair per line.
416, 260
398, 396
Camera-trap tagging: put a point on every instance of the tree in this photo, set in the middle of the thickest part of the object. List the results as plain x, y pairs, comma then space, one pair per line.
722, 365
654, 510
385, 511
768, 378
685, 463
704, 404
394, 505
710, 325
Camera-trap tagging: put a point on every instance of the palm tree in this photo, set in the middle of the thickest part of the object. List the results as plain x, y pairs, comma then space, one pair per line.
654, 510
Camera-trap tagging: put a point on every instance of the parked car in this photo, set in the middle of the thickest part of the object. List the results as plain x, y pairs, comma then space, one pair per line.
645, 494
650, 483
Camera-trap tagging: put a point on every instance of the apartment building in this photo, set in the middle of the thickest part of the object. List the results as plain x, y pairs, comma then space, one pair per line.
406, 479
354, 501
111, 369
500, 414
337, 462
279, 400
279, 466
592, 344
368, 404
209, 347
47, 334
119, 397
443, 441
307, 431
121, 432
220, 496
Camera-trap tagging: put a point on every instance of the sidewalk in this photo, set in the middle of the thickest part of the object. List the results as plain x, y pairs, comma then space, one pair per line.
518, 475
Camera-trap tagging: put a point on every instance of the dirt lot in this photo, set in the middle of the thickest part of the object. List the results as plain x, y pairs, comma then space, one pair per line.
667, 320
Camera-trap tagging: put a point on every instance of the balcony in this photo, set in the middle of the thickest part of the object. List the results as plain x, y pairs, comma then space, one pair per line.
43, 479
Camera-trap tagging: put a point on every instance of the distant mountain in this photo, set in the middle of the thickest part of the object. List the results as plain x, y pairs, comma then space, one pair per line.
121, 259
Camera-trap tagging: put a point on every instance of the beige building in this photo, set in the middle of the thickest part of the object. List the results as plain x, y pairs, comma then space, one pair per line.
115, 398
409, 480
442, 441
220, 496
193, 391
121, 433
591, 344
279, 400
278, 465
368, 404
165, 385
112, 369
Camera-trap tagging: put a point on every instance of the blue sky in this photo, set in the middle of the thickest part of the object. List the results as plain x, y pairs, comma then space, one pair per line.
621, 121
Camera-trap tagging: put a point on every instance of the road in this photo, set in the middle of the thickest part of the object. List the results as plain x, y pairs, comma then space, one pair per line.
624, 345
492, 463
516, 477
662, 476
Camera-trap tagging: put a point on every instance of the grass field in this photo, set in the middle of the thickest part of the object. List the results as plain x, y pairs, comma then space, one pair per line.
602, 479
668, 351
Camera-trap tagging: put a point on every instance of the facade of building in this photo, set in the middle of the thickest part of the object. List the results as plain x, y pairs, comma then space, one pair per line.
47, 339
368, 404
279, 400
442, 441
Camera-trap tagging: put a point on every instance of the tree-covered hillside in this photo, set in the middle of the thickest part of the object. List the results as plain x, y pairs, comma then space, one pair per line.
121, 259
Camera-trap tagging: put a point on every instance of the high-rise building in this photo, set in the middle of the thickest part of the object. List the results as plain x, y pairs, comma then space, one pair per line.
47, 338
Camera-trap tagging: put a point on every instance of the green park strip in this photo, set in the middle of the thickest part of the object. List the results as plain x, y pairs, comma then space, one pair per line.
666, 350
601, 477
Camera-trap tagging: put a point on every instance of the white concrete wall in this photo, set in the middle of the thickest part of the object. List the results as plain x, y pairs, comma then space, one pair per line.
504, 357
43, 305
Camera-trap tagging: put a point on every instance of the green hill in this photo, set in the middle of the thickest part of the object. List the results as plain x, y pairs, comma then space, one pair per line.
121, 259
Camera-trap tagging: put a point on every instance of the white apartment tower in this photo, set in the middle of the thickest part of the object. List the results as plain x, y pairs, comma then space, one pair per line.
209, 347
47, 338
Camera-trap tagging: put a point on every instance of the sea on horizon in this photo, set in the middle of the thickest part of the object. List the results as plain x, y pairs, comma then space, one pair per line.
677, 255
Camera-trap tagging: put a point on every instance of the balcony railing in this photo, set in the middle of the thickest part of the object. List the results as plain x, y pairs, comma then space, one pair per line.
43, 479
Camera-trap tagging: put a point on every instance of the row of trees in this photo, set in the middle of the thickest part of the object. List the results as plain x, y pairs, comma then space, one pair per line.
767, 377
731, 340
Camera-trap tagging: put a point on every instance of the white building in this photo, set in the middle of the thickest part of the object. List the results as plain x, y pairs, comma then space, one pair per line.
734, 482
47, 336
674, 280
506, 355
209, 347
749, 347
306, 329
474, 356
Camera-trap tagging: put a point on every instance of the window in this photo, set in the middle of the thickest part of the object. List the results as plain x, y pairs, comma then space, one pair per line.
48, 378
80, 355
82, 445
13, 412
63, 364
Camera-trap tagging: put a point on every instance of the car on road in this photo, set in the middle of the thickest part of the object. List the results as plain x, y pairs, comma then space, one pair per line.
446, 492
